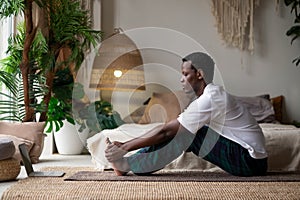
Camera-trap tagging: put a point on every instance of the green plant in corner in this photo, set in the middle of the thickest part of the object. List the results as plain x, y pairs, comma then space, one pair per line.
57, 111
67, 33
294, 30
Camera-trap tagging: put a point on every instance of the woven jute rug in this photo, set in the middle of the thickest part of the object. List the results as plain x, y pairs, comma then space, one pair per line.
58, 188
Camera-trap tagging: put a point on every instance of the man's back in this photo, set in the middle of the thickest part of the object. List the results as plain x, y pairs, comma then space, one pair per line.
221, 112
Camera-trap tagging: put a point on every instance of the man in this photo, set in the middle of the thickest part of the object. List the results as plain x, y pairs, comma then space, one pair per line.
214, 126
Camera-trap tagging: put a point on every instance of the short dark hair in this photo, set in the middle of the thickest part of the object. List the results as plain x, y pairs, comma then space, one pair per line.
204, 62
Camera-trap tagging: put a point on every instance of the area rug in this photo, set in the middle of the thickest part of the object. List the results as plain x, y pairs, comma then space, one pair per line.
183, 176
32, 188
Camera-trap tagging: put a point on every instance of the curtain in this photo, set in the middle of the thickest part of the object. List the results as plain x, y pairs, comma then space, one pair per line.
6, 28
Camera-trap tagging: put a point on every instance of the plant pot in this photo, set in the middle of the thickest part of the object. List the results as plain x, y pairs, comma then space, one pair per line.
69, 141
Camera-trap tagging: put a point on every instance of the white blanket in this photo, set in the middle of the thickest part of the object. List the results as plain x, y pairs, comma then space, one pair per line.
97, 144
282, 143
283, 146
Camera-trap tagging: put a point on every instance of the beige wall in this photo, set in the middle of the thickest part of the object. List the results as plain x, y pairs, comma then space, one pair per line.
268, 70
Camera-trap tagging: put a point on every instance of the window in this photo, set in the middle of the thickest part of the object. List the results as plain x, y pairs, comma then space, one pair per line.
5, 32
6, 29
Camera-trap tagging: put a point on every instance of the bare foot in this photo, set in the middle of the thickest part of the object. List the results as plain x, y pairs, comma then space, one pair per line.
120, 167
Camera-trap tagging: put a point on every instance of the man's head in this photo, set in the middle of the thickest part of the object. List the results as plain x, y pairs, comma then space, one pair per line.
203, 62
197, 72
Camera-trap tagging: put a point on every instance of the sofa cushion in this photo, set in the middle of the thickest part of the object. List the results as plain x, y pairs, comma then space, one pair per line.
260, 108
16, 142
7, 148
32, 131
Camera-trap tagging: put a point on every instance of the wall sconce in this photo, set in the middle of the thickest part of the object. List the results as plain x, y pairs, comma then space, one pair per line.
118, 65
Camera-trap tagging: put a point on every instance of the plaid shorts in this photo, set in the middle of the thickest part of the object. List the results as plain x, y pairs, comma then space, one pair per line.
207, 144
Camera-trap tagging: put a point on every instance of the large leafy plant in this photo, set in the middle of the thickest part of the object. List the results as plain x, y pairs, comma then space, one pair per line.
35, 55
294, 31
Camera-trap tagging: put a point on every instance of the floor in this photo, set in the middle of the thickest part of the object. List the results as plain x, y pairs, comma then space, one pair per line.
48, 159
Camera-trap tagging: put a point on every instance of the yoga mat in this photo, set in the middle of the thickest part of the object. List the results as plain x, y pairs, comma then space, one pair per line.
194, 176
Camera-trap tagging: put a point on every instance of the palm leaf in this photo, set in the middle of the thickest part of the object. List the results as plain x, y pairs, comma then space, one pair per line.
11, 8
9, 108
9, 81
72, 27
10, 70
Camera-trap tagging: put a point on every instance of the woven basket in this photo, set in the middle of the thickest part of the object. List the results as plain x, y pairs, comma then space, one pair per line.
9, 169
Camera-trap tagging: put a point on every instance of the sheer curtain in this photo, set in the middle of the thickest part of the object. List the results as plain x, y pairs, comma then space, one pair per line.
6, 29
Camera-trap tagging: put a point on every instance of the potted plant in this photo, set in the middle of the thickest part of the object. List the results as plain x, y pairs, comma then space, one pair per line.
41, 52
90, 117
294, 30
69, 33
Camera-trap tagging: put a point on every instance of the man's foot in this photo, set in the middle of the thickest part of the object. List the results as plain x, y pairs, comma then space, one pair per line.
120, 167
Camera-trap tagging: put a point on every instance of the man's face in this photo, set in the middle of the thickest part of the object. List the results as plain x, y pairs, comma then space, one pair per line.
189, 79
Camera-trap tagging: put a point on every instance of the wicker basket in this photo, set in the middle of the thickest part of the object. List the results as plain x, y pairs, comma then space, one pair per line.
9, 169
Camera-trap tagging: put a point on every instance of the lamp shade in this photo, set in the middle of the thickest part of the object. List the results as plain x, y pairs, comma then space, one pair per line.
118, 65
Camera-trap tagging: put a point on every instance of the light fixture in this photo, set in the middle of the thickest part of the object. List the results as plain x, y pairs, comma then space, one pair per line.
118, 65
118, 73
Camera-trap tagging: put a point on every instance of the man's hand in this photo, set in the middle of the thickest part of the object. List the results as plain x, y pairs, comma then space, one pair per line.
114, 151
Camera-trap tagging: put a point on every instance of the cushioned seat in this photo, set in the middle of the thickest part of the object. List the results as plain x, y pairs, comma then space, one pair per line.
7, 148
32, 132
17, 141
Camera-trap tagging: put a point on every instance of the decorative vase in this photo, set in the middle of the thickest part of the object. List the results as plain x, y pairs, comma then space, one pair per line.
69, 141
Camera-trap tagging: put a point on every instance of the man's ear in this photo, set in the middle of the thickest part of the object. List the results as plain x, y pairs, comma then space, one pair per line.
200, 74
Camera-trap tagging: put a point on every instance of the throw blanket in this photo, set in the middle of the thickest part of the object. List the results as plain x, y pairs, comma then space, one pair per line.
283, 146
97, 144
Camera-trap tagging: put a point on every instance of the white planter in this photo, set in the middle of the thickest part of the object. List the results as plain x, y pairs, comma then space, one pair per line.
68, 140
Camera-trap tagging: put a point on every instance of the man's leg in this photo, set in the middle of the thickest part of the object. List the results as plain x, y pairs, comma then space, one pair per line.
226, 154
154, 158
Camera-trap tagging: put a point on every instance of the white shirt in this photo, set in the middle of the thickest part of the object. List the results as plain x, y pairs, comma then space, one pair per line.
226, 116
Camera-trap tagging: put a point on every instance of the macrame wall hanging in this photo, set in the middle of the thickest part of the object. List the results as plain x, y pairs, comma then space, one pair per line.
235, 22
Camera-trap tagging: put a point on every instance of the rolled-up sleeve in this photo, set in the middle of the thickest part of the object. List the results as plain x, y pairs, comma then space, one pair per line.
197, 114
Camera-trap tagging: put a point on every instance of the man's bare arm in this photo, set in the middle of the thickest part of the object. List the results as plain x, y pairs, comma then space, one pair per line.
161, 134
